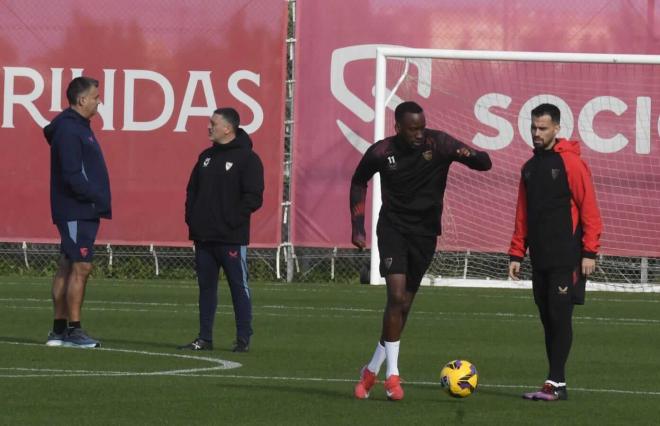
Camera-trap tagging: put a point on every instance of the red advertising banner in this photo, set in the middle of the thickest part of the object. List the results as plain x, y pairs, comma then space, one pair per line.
162, 72
613, 110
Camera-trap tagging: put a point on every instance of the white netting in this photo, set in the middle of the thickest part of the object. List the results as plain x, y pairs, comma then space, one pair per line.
607, 107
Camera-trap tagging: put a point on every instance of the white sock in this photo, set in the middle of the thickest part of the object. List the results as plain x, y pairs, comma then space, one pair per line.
392, 351
377, 360
555, 384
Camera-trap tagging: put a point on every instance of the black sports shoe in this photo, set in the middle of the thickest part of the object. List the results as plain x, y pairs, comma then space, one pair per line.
198, 345
241, 345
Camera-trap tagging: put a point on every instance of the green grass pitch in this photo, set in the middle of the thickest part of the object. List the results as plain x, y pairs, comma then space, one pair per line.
310, 341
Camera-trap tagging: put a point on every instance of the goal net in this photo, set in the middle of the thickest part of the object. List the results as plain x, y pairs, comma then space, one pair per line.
608, 102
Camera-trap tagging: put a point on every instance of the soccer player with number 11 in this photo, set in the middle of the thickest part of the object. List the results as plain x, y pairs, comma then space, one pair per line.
413, 165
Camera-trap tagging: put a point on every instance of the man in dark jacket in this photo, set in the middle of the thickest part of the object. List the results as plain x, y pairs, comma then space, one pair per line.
557, 217
79, 196
225, 188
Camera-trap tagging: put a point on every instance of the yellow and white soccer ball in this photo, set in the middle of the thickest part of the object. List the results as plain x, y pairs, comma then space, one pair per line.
459, 378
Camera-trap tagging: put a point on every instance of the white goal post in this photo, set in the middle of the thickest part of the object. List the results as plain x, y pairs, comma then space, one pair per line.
383, 97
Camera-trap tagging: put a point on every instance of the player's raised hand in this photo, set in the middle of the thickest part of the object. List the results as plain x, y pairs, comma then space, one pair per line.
514, 270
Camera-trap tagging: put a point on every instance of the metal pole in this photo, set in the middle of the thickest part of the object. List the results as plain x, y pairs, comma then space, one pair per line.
108, 249
498, 55
379, 133
153, 252
644, 273
25, 255
290, 82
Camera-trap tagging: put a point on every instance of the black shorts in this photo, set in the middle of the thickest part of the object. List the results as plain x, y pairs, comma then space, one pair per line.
404, 253
78, 238
559, 285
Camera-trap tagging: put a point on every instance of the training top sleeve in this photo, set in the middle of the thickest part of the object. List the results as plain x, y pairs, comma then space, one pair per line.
358, 192
70, 152
252, 189
519, 239
584, 196
450, 146
191, 192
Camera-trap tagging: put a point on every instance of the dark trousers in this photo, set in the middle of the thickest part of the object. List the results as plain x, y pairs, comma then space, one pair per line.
555, 293
209, 258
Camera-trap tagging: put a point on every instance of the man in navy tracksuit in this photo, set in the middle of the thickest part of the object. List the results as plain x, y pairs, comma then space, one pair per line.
225, 188
80, 196
557, 218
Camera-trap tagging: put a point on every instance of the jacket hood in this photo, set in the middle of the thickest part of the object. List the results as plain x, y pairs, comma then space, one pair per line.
64, 116
564, 145
241, 141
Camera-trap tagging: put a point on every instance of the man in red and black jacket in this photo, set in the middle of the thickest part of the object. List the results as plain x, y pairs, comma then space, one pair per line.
557, 218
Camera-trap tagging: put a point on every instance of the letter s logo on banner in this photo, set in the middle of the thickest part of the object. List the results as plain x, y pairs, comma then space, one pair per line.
340, 59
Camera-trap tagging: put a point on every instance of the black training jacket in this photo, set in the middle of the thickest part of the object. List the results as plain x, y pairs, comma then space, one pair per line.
225, 187
413, 181
557, 215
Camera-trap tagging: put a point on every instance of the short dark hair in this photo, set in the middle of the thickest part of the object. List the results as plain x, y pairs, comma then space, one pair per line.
406, 107
548, 109
78, 86
230, 115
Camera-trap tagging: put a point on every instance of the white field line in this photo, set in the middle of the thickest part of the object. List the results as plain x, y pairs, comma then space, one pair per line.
363, 289
225, 365
195, 372
103, 302
193, 286
407, 382
220, 364
340, 312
